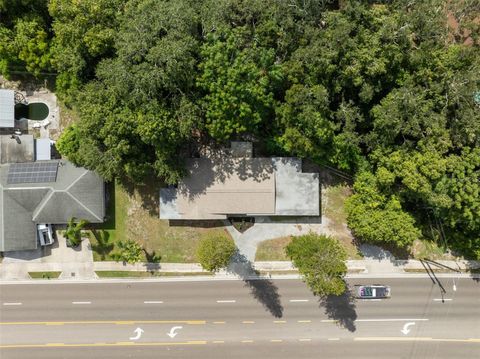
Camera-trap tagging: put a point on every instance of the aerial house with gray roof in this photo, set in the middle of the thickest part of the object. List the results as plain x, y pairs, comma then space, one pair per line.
45, 192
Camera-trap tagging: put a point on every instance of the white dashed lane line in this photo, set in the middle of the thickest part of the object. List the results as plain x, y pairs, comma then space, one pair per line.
442, 300
80, 303
12, 303
153, 302
226, 301
298, 300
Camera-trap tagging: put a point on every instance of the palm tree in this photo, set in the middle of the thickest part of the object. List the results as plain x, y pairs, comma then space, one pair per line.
73, 233
103, 246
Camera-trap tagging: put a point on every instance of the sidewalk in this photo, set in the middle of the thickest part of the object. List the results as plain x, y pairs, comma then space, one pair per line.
383, 267
369, 266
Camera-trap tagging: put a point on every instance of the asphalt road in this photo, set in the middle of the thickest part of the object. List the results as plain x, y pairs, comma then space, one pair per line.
238, 319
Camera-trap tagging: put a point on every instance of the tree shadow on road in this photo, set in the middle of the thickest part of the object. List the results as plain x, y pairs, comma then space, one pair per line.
341, 308
263, 290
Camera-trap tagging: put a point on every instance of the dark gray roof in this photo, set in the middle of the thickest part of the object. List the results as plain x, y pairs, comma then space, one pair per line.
76, 192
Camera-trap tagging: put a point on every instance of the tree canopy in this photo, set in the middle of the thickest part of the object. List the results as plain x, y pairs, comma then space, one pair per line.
215, 251
321, 261
385, 90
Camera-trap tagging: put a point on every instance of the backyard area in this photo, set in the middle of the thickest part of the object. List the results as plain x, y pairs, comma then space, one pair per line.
132, 213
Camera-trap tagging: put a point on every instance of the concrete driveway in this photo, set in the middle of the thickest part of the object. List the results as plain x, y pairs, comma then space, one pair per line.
74, 263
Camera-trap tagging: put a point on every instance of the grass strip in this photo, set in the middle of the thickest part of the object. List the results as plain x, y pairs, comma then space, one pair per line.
44, 275
147, 274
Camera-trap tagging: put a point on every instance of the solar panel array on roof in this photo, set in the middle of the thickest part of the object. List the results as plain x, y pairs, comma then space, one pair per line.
36, 172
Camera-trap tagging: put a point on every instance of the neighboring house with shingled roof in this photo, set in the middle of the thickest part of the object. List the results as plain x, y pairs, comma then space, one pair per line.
73, 192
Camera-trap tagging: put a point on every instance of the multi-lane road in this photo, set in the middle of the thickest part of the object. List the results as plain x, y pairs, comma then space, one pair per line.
238, 319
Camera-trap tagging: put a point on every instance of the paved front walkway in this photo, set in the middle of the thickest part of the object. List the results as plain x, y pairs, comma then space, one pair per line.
265, 228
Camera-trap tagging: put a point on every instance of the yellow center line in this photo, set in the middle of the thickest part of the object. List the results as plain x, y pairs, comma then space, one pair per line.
218, 322
53, 345
218, 341
279, 321
119, 322
276, 340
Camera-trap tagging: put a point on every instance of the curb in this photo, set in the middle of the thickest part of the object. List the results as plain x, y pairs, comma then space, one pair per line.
227, 278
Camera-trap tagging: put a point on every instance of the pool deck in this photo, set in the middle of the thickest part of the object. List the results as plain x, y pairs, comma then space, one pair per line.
18, 149
51, 122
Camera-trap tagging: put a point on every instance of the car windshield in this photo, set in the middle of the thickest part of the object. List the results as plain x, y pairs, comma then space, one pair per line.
366, 291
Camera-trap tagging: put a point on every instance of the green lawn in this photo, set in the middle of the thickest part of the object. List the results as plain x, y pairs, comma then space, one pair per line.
134, 215
272, 250
333, 208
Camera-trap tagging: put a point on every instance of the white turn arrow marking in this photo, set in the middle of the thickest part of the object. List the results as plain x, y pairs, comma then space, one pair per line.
172, 332
405, 329
139, 332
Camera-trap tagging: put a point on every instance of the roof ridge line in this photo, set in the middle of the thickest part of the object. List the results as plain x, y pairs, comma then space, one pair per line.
16, 189
78, 178
42, 204
81, 204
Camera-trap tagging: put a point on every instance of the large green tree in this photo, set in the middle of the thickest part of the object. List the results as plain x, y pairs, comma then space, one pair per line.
85, 33
25, 37
321, 261
138, 114
238, 78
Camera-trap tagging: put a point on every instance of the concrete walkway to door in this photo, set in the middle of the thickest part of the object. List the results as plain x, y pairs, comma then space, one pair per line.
265, 228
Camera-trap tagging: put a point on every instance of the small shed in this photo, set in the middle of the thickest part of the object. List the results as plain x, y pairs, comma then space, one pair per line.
43, 150
7, 108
